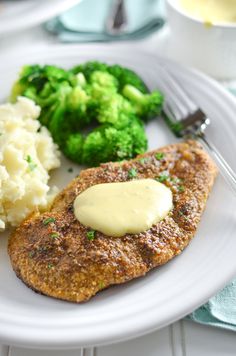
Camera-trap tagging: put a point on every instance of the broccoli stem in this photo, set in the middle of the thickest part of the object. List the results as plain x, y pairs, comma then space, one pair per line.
132, 93
80, 80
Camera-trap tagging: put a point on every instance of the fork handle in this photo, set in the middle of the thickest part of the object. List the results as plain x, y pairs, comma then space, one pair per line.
226, 171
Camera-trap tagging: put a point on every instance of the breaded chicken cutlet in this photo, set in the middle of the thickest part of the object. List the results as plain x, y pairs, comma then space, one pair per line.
72, 267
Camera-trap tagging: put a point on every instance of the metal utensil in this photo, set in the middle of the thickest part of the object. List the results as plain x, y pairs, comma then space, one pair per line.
117, 18
187, 120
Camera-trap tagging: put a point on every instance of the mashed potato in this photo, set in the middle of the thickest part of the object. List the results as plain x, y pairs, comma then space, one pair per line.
27, 154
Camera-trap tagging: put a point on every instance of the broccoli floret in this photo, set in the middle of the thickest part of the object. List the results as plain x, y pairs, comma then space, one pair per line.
110, 107
127, 76
101, 88
53, 116
146, 106
76, 112
123, 75
69, 113
26, 76
47, 90
37, 76
73, 148
108, 143
89, 67
116, 110
31, 93
104, 79
56, 73
80, 80
101, 85
77, 102
30, 74
18, 89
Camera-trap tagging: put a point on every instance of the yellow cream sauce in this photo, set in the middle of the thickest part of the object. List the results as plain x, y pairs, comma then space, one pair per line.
211, 11
116, 209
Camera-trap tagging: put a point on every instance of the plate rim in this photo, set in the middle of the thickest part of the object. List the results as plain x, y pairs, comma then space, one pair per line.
73, 342
31, 21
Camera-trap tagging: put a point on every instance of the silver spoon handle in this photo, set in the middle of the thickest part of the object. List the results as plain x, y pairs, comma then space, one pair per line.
224, 168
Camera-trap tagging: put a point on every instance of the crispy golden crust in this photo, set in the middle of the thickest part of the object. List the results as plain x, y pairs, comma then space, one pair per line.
58, 260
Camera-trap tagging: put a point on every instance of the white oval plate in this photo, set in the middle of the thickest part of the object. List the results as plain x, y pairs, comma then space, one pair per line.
163, 295
17, 15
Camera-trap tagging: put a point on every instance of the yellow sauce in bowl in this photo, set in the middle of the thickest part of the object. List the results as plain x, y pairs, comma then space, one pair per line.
211, 11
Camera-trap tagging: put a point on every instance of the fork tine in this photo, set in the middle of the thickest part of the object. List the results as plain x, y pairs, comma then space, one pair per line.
176, 94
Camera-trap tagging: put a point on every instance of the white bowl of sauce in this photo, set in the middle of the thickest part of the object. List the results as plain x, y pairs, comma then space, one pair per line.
203, 33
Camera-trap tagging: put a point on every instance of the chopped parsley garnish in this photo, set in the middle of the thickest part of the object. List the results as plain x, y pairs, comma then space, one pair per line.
70, 170
31, 163
31, 254
90, 235
159, 156
183, 215
101, 285
177, 181
50, 265
48, 221
181, 188
132, 173
54, 235
143, 160
162, 178
174, 180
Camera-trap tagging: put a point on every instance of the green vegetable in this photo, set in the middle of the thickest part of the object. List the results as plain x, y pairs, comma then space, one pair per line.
30, 162
89, 67
159, 156
90, 235
123, 75
54, 235
48, 221
101, 285
94, 111
146, 106
108, 143
162, 178
132, 173
103, 79
144, 160
73, 148
31, 254
115, 110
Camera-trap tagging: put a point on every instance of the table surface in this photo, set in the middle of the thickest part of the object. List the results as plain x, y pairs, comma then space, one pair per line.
183, 338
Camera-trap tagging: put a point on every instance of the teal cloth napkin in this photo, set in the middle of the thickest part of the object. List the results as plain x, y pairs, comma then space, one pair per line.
220, 310
85, 22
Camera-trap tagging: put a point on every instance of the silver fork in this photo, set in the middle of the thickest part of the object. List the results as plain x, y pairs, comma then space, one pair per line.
187, 120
